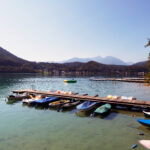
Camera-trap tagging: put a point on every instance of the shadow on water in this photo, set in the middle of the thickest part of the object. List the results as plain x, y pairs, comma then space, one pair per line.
143, 128
37, 107
54, 109
41, 107
130, 113
84, 113
110, 116
115, 112
12, 102
69, 110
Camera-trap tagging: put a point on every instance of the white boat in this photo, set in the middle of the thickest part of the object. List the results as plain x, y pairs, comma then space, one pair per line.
146, 113
18, 96
145, 143
128, 97
28, 101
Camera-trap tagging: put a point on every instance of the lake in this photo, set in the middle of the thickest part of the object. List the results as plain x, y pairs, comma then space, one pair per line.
33, 128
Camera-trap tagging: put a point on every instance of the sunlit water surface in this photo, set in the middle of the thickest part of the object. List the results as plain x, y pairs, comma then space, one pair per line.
30, 128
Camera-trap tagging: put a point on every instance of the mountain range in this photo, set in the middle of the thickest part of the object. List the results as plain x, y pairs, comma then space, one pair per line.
10, 63
109, 60
6, 58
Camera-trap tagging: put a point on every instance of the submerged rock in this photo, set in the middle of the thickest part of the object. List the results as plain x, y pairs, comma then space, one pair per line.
134, 146
141, 133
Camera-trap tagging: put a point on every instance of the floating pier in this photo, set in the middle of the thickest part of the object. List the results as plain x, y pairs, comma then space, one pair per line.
122, 102
137, 80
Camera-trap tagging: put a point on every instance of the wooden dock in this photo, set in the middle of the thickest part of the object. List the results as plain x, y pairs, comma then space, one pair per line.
121, 102
136, 80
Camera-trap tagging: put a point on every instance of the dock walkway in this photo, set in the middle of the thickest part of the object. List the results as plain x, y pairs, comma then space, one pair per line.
122, 102
137, 80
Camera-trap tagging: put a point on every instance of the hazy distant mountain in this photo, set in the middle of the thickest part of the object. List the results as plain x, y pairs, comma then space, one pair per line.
75, 59
105, 60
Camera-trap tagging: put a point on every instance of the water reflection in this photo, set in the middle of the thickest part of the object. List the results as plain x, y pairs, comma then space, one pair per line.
11, 102
36, 128
113, 113
130, 113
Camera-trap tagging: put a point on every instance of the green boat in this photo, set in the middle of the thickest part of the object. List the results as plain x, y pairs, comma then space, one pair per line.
103, 110
70, 81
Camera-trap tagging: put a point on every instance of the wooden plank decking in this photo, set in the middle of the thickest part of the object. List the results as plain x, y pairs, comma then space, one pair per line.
123, 102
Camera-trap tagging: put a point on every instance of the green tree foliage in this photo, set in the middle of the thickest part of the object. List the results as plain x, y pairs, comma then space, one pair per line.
147, 76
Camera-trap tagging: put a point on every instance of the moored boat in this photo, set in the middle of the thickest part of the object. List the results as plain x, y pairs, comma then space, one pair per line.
88, 105
103, 110
71, 104
70, 81
32, 99
45, 101
58, 103
18, 96
145, 122
147, 114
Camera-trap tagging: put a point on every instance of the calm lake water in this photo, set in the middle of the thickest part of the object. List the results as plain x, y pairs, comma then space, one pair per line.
30, 128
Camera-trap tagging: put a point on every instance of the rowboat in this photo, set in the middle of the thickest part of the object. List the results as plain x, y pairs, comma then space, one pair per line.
18, 96
58, 103
145, 143
88, 105
45, 101
147, 114
71, 104
103, 110
145, 122
32, 99
70, 81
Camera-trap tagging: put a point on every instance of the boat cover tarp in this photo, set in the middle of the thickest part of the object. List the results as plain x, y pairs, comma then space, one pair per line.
86, 105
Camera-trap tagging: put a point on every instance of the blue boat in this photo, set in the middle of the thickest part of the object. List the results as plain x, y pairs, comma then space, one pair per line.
145, 122
86, 106
45, 101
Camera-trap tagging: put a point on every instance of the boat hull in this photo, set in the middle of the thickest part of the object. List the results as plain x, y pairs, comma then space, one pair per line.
58, 104
45, 101
28, 101
103, 110
86, 106
70, 81
146, 114
145, 122
69, 105
17, 97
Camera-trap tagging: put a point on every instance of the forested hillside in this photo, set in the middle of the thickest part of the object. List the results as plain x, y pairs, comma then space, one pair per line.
10, 63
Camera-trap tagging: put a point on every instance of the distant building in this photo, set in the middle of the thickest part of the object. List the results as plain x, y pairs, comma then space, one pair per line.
55, 72
141, 74
63, 73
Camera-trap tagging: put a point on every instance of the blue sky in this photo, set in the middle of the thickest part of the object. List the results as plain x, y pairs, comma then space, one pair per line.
55, 30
